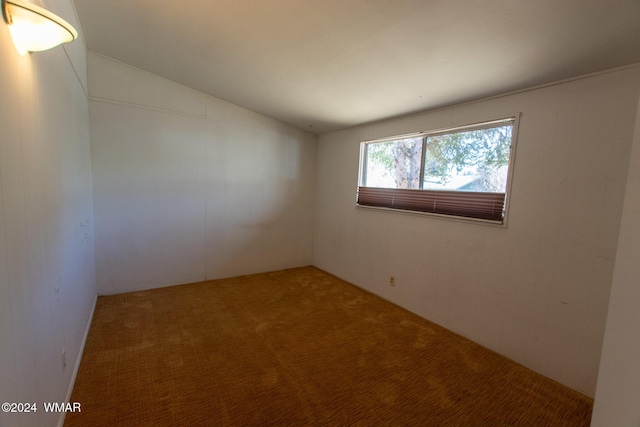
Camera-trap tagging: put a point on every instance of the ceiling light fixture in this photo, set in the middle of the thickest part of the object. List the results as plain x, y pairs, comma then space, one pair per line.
34, 28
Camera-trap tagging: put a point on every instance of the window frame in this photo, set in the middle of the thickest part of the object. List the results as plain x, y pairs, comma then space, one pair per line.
513, 119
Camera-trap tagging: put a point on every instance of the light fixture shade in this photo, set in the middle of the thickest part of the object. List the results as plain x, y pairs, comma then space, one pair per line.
33, 28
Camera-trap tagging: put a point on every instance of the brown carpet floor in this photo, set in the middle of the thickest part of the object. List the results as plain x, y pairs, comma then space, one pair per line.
297, 347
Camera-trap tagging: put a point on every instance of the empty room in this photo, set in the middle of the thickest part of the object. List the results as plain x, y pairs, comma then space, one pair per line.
281, 212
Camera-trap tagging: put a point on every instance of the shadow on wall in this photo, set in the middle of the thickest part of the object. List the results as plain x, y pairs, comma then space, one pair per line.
183, 199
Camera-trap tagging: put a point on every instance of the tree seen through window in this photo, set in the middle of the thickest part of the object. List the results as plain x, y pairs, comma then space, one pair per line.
468, 160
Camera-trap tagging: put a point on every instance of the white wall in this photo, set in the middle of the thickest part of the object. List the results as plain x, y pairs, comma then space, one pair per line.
617, 400
536, 291
47, 267
188, 187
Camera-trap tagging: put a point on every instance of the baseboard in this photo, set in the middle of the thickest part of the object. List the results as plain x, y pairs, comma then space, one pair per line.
76, 368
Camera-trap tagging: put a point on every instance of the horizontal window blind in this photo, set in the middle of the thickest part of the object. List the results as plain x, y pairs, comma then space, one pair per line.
488, 206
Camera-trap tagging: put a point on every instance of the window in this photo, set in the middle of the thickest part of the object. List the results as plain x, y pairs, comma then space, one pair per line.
462, 172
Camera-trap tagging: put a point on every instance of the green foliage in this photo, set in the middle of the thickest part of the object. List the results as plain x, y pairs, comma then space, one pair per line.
381, 153
483, 150
400, 159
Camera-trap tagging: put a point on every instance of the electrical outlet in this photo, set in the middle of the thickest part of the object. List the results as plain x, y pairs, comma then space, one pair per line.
64, 359
392, 280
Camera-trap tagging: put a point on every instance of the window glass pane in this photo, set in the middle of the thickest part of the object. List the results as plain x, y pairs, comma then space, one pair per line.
394, 164
460, 172
475, 160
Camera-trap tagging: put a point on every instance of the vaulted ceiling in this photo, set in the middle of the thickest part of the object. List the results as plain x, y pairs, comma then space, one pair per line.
324, 65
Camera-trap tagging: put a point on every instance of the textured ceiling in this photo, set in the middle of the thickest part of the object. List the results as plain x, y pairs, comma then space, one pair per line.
331, 64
